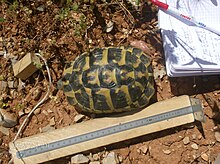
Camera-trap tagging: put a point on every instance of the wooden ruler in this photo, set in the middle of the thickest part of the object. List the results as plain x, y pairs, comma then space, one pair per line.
104, 131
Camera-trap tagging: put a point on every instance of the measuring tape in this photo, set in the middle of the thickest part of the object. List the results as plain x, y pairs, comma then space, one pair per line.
107, 131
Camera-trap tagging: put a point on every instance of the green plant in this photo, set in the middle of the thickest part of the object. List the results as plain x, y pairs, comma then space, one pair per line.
14, 6
2, 19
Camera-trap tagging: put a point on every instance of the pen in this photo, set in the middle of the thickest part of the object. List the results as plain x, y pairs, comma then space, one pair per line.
177, 13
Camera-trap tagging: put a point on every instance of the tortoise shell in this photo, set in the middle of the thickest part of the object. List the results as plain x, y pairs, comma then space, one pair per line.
109, 80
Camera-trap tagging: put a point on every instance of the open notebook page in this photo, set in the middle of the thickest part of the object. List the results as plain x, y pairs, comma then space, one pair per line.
188, 47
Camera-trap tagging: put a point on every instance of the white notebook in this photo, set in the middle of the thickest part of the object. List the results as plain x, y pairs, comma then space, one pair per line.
191, 50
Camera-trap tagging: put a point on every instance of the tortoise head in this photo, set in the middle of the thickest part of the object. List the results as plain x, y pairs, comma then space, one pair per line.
66, 74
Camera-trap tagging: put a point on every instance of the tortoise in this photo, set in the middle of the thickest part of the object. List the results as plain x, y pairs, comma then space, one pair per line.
109, 80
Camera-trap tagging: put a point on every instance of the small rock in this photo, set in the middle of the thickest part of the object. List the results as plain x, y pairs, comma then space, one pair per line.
195, 146
96, 157
37, 94
1, 140
205, 157
194, 156
217, 136
186, 140
49, 111
4, 130
41, 8
21, 85
3, 85
79, 117
52, 121
110, 159
13, 84
90, 157
79, 158
45, 112
159, 73
47, 128
120, 158
37, 111
167, 152
199, 137
21, 113
109, 26
144, 149
7, 119
194, 136
27, 110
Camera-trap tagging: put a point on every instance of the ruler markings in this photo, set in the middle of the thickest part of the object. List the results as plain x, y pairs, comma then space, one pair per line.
104, 132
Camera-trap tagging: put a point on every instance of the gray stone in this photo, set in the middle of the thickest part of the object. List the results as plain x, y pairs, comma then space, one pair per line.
79, 158
110, 159
7, 119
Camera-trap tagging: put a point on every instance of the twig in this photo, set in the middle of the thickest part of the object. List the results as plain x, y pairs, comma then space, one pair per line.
39, 103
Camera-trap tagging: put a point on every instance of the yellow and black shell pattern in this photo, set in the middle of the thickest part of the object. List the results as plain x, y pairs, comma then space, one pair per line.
109, 80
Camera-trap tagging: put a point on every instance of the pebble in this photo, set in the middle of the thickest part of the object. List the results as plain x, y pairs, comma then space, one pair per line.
120, 158
3, 85
4, 130
79, 117
217, 136
199, 137
47, 128
37, 94
96, 157
21, 113
195, 146
167, 152
41, 8
110, 159
205, 157
194, 136
52, 121
186, 140
37, 111
45, 112
109, 26
13, 84
144, 149
7, 119
79, 158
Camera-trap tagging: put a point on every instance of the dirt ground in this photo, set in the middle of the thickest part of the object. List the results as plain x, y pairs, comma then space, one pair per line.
62, 30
